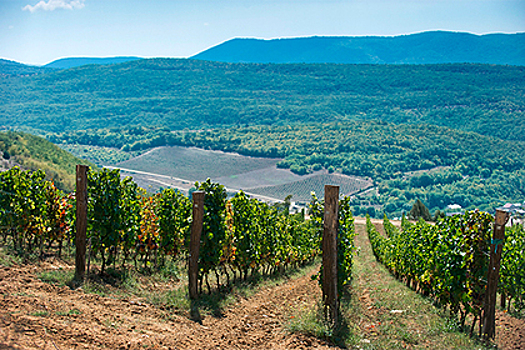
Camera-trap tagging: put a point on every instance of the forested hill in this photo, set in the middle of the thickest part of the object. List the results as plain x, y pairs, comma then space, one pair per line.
33, 152
421, 48
193, 94
71, 62
12, 68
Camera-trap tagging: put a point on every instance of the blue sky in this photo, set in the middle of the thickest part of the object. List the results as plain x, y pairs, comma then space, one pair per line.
40, 31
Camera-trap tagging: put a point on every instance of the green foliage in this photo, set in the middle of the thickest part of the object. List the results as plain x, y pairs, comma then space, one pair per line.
32, 210
419, 210
98, 155
448, 261
35, 153
107, 219
242, 233
345, 245
15, 69
512, 272
181, 93
173, 210
213, 230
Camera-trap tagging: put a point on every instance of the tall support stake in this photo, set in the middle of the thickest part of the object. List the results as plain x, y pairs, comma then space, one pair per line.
81, 222
195, 241
331, 227
496, 249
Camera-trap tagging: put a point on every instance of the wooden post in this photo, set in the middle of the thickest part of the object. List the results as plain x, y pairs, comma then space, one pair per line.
331, 227
496, 248
81, 222
195, 241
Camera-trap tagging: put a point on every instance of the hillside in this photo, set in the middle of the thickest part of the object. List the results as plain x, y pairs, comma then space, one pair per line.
12, 68
71, 62
438, 165
421, 48
33, 152
194, 94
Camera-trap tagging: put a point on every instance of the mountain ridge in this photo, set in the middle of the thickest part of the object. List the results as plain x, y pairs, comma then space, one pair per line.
72, 62
13, 68
432, 47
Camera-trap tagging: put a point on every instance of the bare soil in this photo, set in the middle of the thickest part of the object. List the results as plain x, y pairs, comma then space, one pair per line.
38, 315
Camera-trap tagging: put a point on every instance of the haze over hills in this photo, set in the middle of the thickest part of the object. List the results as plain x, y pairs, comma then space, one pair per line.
71, 62
421, 48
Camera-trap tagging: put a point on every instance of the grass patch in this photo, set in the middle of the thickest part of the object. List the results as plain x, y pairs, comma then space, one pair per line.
310, 321
40, 313
390, 315
8, 259
58, 277
68, 313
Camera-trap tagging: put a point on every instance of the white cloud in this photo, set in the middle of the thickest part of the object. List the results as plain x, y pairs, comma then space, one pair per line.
51, 5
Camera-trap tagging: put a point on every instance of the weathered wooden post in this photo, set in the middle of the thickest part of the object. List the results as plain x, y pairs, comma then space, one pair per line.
195, 241
496, 249
81, 222
331, 227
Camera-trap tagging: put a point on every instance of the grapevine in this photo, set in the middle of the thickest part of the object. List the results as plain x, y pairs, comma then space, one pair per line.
447, 261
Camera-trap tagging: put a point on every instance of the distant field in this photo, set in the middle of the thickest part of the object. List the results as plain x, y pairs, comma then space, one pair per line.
195, 164
301, 190
258, 176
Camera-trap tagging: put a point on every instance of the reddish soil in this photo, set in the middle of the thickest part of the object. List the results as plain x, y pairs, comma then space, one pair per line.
510, 332
37, 315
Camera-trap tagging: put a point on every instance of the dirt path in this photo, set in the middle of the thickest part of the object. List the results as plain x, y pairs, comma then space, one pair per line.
392, 316
37, 315
256, 323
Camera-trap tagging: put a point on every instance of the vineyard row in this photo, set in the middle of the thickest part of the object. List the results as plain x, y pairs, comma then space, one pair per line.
449, 261
240, 235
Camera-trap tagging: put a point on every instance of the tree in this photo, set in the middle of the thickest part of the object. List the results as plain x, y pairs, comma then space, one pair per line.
438, 215
419, 210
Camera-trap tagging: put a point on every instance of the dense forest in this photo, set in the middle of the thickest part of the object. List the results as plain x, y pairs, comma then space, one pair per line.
11, 68
180, 93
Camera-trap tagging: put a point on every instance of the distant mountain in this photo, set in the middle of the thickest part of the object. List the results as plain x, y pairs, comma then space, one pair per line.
12, 68
70, 62
421, 48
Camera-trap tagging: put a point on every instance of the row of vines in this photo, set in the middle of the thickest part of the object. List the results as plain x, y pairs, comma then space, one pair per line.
33, 212
241, 236
345, 240
449, 261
